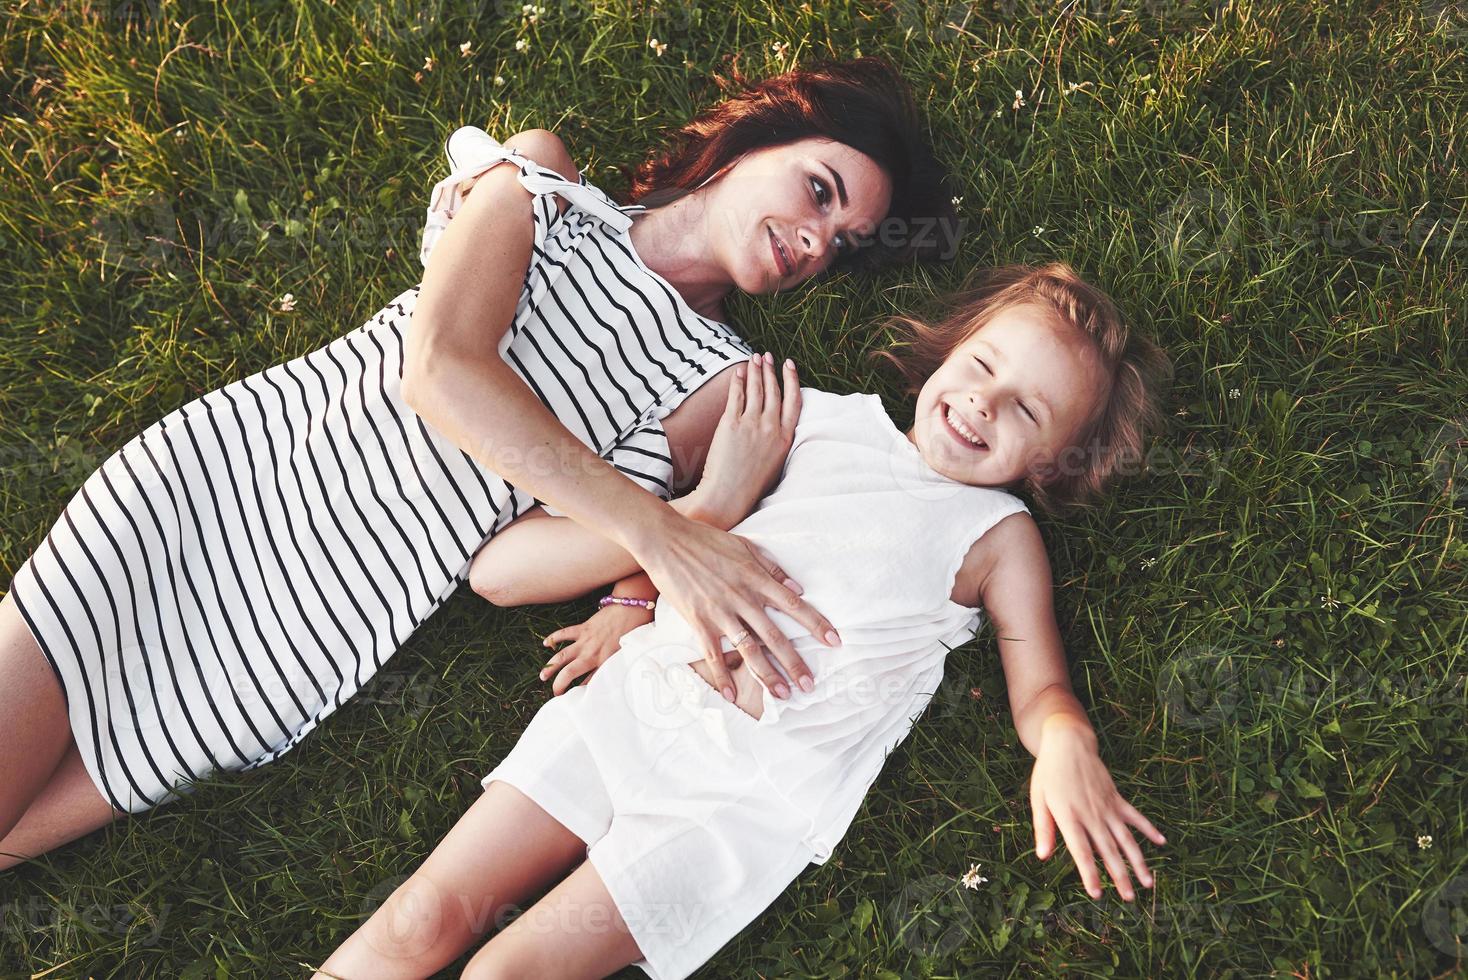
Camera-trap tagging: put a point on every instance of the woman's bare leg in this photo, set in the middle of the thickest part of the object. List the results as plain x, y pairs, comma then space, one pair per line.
69, 807
503, 849
574, 931
34, 731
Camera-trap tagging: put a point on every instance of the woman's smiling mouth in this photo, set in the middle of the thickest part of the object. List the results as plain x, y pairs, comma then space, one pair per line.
782, 260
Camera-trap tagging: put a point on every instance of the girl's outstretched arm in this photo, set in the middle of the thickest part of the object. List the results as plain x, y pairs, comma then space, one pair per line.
1070, 787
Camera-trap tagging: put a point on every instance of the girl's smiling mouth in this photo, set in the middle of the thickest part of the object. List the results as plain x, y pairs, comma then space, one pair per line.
960, 431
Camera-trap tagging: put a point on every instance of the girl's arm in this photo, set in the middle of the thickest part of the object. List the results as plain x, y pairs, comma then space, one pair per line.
455, 378
1007, 570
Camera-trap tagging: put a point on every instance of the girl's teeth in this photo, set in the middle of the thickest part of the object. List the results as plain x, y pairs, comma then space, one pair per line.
963, 430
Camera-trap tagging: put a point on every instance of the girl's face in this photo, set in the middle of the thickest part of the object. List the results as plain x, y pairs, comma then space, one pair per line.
782, 214
1009, 399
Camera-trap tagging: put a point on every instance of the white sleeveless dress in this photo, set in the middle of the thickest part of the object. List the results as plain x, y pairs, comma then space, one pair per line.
234, 573
696, 814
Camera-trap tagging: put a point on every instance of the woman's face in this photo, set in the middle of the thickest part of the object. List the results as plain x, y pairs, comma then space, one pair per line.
782, 214
1009, 400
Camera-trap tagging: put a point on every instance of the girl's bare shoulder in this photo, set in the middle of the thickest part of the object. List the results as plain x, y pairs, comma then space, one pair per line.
1009, 555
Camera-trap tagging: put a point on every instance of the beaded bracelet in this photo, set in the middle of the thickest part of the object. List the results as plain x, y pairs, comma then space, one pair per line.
607, 600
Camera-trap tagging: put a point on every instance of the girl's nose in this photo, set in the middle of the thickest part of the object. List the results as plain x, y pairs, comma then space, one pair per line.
980, 404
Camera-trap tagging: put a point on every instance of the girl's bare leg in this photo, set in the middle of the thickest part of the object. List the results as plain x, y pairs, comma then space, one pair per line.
69, 807
574, 931
34, 731
503, 849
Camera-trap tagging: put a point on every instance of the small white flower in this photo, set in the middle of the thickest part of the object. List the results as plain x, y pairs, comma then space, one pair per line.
1148, 562
1329, 602
1072, 87
1424, 841
657, 46
522, 45
287, 303
527, 8
1234, 393
428, 63
465, 48
499, 79
958, 200
1019, 99
780, 47
1038, 230
972, 878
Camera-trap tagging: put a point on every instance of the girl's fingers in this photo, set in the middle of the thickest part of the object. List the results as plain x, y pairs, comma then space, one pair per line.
1111, 857
790, 405
569, 673
1080, 852
554, 661
1123, 836
1044, 825
1134, 817
713, 655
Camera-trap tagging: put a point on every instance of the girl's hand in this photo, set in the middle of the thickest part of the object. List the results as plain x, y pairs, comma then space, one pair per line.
753, 437
1070, 786
592, 642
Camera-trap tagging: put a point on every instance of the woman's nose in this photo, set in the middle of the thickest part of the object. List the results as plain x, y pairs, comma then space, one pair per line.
813, 243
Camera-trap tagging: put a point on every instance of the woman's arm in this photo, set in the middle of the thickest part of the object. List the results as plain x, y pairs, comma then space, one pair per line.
454, 377
540, 558
1070, 787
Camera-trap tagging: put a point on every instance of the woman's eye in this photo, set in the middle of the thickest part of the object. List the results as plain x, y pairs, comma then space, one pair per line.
823, 194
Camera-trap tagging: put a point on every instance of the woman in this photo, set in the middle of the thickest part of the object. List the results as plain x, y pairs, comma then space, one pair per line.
232, 575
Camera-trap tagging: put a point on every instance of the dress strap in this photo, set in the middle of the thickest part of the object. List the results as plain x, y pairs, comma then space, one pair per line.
472, 151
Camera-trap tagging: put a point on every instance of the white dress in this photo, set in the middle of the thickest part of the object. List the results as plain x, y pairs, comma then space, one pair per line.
696, 814
234, 573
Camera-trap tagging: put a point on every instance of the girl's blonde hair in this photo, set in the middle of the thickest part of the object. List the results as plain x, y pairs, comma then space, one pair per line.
1137, 369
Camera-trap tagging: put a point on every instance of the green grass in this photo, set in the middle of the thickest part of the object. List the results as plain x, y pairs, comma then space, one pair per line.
1275, 190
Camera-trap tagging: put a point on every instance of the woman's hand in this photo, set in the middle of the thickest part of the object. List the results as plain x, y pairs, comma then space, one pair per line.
1071, 787
753, 437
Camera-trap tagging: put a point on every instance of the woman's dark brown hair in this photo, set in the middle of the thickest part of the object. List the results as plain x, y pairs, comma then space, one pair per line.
1138, 371
863, 103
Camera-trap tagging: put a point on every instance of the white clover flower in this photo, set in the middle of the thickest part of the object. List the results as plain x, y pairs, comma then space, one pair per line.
1038, 230
1234, 393
657, 46
1424, 841
287, 302
1019, 99
972, 878
499, 79
957, 200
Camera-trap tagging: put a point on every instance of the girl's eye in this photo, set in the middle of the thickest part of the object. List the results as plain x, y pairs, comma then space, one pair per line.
982, 364
1029, 413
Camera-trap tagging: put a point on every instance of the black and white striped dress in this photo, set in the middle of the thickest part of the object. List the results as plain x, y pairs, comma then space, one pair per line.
233, 574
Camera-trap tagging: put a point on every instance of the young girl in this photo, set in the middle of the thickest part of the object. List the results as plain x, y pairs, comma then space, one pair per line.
670, 817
